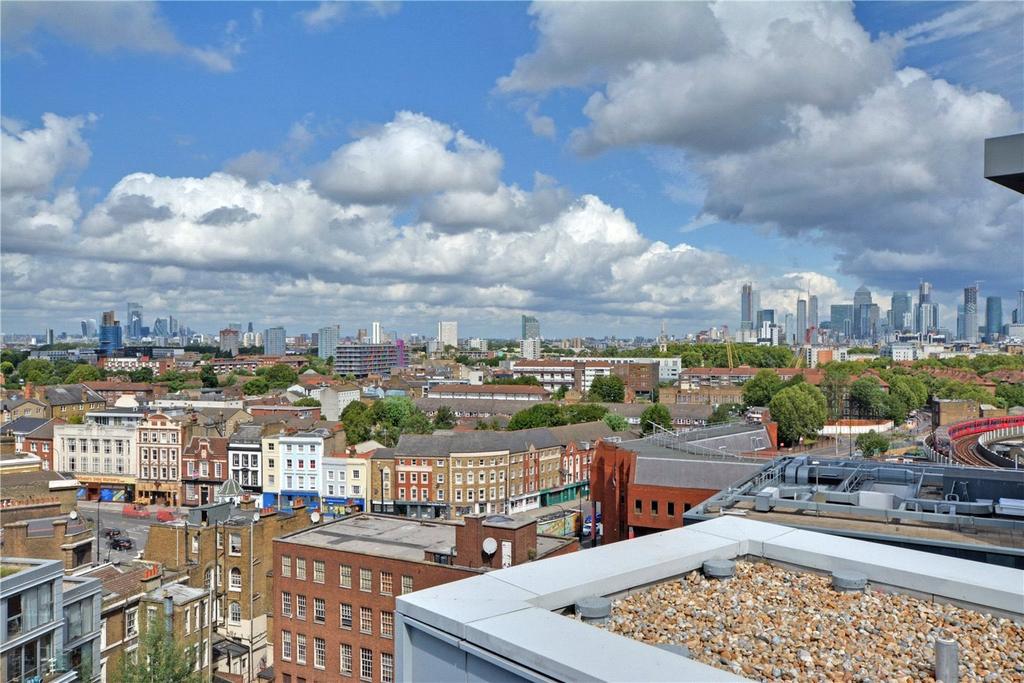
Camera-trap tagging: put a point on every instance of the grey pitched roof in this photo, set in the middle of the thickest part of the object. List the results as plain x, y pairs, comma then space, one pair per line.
23, 425
583, 431
12, 402
698, 474
43, 431
70, 394
474, 442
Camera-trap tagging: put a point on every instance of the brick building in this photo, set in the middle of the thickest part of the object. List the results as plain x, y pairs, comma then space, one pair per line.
112, 390
641, 380
65, 400
160, 441
335, 585
186, 612
39, 442
204, 465
228, 550
641, 487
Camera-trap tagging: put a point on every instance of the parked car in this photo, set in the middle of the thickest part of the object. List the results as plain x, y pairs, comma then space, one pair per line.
112, 532
121, 543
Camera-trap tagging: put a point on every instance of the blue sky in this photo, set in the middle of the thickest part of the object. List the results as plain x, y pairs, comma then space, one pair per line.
181, 90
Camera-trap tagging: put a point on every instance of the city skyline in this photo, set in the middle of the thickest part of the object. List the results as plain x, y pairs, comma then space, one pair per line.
538, 186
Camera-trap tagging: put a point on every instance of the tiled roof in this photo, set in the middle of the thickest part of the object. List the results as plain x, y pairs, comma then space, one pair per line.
23, 425
490, 389
71, 394
218, 446
473, 442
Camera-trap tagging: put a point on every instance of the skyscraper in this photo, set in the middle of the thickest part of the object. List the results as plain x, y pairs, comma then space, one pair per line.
448, 333
961, 328
971, 313
110, 333
801, 321
1019, 318
861, 312
993, 318
530, 328
901, 305
926, 315
134, 320
747, 307
327, 340
842, 320
812, 311
765, 315
375, 335
273, 340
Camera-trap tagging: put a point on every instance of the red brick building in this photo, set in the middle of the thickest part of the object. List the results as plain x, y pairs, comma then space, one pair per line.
335, 585
645, 488
204, 467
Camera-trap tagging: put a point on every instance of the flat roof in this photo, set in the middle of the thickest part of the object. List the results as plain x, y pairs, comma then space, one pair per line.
400, 538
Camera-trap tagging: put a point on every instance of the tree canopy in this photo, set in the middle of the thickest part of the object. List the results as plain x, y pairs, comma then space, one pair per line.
256, 387
608, 389
307, 402
279, 376
872, 443
553, 415
158, 659
759, 389
444, 418
800, 412
616, 423
655, 413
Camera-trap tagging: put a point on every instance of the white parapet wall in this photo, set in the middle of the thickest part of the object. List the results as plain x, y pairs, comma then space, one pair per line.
504, 625
863, 427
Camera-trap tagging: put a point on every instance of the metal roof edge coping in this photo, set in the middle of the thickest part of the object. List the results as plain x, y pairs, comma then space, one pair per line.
509, 612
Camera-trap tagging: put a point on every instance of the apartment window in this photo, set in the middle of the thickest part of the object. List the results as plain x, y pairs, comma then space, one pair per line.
300, 568
286, 645
195, 544
654, 507
365, 580
365, 620
319, 653
217, 470
401, 477
440, 494
638, 506
346, 659
401, 493
387, 624
414, 478
365, 664
131, 623
319, 610
286, 604
346, 615
235, 613
235, 544
300, 648
440, 479
386, 580
387, 667
318, 571
671, 509
458, 495
345, 575
300, 606
286, 565
458, 477
235, 579
406, 584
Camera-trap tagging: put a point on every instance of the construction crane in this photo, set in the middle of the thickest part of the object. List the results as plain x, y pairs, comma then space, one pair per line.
728, 352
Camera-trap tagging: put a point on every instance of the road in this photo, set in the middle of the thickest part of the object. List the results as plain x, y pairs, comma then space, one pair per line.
110, 517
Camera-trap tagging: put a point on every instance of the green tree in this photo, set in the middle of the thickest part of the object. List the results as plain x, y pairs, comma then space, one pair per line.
608, 389
6, 368
83, 373
397, 415
541, 415
1012, 394
307, 402
444, 418
256, 387
141, 375
724, 413
76, 420
759, 389
872, 443
559, 393
358, 426
835, 385
616, 423
158, 659
528, 380
209, 377
655, 413
36, 371
583, 412
354, 409
868, 397
800, 411
279, 376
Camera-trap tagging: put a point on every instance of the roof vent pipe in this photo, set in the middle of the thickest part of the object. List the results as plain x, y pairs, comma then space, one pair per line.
594, 609
719, 569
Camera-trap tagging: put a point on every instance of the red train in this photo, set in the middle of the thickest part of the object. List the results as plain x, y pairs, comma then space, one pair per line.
985, 424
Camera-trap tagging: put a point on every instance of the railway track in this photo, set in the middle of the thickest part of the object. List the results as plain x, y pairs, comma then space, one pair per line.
964, 453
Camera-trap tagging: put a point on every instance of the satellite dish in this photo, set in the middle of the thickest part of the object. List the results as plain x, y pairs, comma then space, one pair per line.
256, 516
490, 545
315, 517
73, 514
